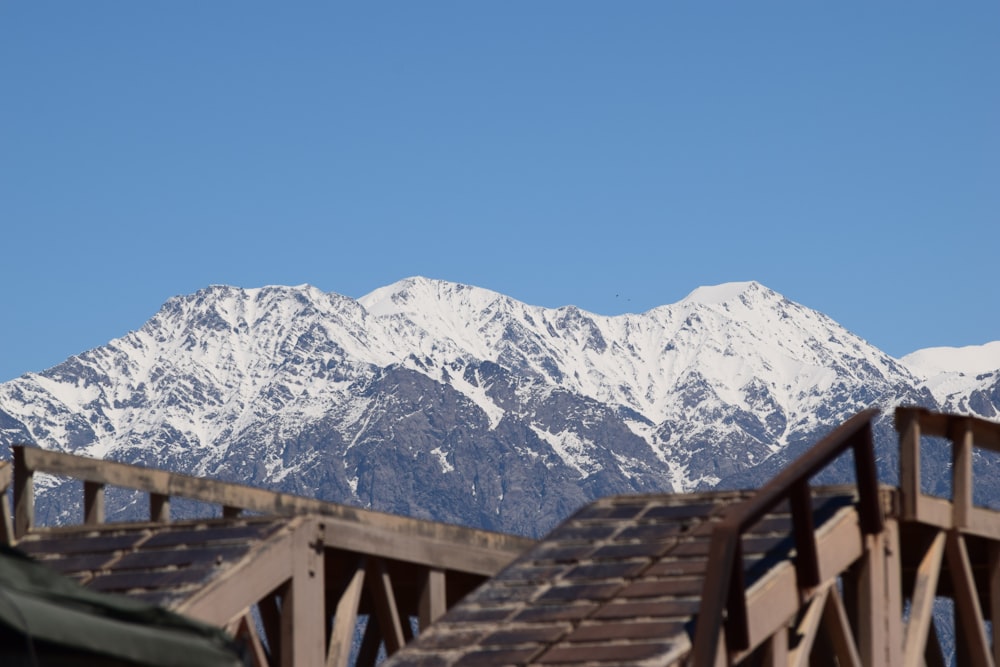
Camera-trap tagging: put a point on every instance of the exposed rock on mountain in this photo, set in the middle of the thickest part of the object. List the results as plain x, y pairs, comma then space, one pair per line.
456, 403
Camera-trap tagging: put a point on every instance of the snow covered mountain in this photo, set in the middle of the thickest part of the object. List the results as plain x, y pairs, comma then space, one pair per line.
453, 402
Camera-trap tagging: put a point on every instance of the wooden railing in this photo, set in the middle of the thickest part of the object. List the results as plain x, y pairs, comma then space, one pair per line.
723, 600
965, 434
441, 545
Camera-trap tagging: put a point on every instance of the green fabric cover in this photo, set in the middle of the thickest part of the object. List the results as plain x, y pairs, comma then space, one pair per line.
57, 617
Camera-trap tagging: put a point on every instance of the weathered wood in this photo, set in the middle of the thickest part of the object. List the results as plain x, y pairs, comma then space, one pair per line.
6, 520
248, 581
968, 613
304, 612
24, 493
839, 630
908, 427
961, 480
880, 599
93, 503
386, 608
439, 545
159, 508
983, 522
807, 629
806, 556
433, 597
6, 513
345, 619
776, 652
921, 607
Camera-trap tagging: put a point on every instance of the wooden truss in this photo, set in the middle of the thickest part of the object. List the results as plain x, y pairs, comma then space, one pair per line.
841, 599
329, 585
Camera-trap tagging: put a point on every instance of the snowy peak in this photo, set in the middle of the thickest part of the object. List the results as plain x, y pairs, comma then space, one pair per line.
292, 383
971, 360
726, 292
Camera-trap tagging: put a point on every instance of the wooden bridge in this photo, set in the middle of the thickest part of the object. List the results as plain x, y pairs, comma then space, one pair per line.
790, 574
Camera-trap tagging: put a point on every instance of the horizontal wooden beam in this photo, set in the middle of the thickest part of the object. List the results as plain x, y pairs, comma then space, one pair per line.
439, 545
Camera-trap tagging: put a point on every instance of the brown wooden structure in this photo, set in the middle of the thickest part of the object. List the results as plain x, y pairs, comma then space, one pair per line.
787, 575
299, 579
790, 574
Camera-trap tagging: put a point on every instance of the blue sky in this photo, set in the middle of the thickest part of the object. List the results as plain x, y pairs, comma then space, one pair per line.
613, 156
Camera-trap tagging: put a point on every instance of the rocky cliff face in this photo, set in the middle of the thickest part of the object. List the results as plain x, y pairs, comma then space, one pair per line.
452, 402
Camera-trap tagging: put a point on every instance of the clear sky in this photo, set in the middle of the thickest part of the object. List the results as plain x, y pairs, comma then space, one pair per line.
609, 155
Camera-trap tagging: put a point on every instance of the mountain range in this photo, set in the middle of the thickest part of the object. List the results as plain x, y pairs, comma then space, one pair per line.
446, 401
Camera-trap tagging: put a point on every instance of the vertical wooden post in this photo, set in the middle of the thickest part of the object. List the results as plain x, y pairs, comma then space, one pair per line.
880, 637
6, 515
433, 601
961, 481
867, 480
24, 494
159, 508
908, 426
93, 503
303, 608
806, 558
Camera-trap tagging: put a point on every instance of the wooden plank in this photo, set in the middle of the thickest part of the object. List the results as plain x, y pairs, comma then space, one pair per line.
211, 556
6, 512
439, 545
433, 597
936, 512
921, 607
839, 629
304, 612
776, 652
908, 426
880, 599
24, 493
265, 568
961, 475
806, 557
386, 609
345, 619
771, 603
807, 628
159, 508
872, 603
968, 614
93, 503
6, 519
983, 522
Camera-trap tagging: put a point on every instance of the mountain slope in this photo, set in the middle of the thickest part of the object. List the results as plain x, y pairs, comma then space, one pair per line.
453, 402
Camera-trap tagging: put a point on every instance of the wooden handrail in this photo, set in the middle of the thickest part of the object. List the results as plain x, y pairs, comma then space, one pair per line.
481, 552
965, 433
726, 590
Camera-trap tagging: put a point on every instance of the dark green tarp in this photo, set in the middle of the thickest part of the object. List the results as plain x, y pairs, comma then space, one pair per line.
47, 619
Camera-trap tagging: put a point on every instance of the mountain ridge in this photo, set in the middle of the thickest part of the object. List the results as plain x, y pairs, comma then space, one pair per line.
425, 387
